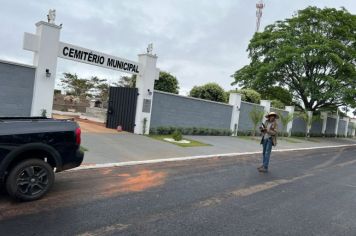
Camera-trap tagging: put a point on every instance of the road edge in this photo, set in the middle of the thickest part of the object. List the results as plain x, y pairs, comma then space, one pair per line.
187, 158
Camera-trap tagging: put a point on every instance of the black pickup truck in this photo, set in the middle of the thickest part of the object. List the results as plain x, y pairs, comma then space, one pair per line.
32, 149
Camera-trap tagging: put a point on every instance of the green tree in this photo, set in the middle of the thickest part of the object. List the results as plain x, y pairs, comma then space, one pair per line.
77, 86
276, 93
249, 95
312, 54
256, 117
103, 91
308, 121
126, 81
100, 87
277, 104
167, 83
95, 80
209, 91
285, 119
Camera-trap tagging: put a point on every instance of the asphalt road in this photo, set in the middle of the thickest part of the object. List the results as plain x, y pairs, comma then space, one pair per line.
305, 193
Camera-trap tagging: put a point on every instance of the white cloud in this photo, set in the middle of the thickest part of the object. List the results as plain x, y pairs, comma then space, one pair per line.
198, 41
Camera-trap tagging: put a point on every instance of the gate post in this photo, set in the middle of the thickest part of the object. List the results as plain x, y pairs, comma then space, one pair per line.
235, 101
347, 119
145, 84
324, 117
290, 110
45, 45
337, 125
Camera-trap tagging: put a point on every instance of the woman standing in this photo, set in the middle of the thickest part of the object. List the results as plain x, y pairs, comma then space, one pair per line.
269, 139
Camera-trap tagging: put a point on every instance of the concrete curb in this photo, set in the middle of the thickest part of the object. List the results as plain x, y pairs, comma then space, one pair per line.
131, 163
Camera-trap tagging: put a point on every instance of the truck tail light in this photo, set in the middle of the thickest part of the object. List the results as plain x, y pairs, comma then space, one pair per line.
78, 134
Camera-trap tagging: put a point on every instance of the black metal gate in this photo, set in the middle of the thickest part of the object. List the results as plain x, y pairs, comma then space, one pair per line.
122, 108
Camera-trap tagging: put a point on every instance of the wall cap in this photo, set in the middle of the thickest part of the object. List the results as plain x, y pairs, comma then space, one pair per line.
279, 109
251, 103
17, 64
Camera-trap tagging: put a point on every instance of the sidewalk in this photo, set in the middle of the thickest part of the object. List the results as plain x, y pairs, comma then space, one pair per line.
113, 148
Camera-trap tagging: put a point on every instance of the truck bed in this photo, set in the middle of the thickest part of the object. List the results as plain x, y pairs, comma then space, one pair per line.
27, 125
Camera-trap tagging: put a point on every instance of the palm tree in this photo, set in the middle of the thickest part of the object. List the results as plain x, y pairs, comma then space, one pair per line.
256, 117
308, 121
285, 120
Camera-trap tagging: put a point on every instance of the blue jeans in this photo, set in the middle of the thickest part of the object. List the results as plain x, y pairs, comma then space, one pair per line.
267, 148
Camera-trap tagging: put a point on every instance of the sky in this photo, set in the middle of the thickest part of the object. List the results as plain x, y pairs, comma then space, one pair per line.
197, 41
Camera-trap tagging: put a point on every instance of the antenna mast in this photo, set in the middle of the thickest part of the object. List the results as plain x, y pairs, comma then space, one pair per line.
259, 7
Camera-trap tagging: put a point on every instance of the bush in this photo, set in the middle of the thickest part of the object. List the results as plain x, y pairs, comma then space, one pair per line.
277, 104
283, 134
316, 135
245, 133
190, 131
298, 134
209, 91
177, 135
153, 131
250, 95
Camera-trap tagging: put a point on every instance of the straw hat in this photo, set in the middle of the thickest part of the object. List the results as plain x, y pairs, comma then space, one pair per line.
272, 114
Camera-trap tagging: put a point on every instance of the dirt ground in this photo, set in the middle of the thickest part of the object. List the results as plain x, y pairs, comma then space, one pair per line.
88, 126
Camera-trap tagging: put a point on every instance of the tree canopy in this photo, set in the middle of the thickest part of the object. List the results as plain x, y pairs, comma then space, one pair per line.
250, 95
276, 93
209, 91
167, 83
77, 86
80, 87
312, 54
127, 81
277, 104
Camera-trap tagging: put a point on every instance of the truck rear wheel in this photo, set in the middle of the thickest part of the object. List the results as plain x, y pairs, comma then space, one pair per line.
30, 180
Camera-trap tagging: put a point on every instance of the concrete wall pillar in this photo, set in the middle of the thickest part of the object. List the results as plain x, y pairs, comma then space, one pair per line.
353, 129
337, 125
267, 107
310, 121
324, 117
290, 110
235, 101
347, 119
145, 84
45, 45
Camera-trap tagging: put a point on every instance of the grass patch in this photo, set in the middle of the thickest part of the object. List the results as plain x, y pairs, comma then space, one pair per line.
83, 149
193, 143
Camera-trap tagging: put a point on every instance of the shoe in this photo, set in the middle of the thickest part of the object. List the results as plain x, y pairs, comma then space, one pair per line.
259, 168
263, 169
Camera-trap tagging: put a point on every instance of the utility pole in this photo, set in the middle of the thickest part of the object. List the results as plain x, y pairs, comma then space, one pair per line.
259, 7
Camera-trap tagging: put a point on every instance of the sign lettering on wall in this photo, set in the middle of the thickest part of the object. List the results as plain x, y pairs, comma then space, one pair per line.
75, 53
